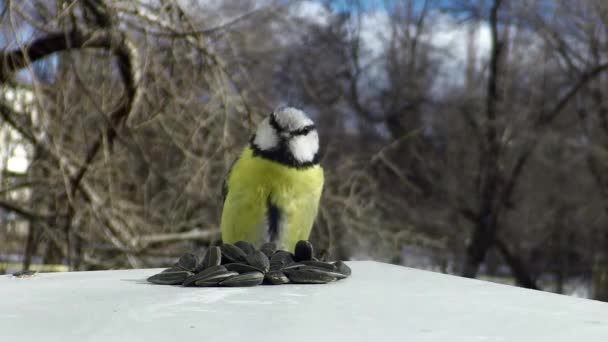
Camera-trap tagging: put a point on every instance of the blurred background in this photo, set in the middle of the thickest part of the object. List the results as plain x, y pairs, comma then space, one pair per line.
468, 137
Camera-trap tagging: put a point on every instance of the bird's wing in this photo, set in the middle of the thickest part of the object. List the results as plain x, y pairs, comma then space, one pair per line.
225, 181
244, 208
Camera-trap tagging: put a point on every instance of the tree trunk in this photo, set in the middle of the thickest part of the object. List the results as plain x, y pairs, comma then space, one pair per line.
600, 279
485, 229
478, 248
600, 271
30, 245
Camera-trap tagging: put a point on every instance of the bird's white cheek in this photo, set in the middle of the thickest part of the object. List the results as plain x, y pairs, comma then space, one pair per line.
265, 136
304, 148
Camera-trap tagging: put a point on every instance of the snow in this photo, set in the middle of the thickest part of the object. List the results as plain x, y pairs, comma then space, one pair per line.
18, 161
379, 302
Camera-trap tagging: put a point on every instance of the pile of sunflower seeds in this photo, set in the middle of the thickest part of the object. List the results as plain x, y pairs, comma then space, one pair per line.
240, 264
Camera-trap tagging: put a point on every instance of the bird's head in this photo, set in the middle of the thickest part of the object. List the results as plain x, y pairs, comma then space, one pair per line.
287, 136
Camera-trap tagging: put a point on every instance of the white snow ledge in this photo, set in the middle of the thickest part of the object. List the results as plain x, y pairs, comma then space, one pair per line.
379, 302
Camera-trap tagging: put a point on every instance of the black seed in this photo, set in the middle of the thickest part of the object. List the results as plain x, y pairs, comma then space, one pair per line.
292, 266
330, 273
259, 260
303, 251
282, 257
169, 278
309, 277
241, 267
215, 278
276, 278
212, 258
245, 279
205, 273
319, 264
245, 246
342, 268
188, 262
231, 253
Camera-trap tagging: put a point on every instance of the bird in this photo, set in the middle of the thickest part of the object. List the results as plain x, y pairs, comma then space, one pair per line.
272, 191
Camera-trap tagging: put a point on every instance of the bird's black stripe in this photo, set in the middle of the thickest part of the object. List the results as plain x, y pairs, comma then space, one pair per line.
274, 219
274, 123
300, 131
283, 156
304, 130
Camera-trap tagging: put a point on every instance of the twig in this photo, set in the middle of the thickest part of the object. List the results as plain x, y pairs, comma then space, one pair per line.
207, 235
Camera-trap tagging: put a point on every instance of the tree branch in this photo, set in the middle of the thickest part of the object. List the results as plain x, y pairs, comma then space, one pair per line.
193, 235
26, 214
12, 61
542, 123
128, 57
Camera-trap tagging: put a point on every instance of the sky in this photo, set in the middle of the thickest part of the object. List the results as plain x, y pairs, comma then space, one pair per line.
449, 36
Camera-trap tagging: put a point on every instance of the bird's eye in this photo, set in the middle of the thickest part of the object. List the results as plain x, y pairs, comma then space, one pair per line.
304, 130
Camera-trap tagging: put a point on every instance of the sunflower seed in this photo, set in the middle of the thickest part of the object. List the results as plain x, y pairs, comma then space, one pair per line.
212, 258
203, 274
292, 266
280, 259
169, 278
247, 247
241, 268
303, 251
259, 260
342, 268
215, 278
276, 278
269, 248
245, 279
231, 253
274, 266
303, 276
188, 262
331, 273
319, 264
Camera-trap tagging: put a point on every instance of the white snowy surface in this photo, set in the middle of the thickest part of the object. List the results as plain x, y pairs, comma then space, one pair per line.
379, 302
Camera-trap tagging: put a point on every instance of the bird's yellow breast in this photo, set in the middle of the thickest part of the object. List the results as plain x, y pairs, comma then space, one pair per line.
253, 183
